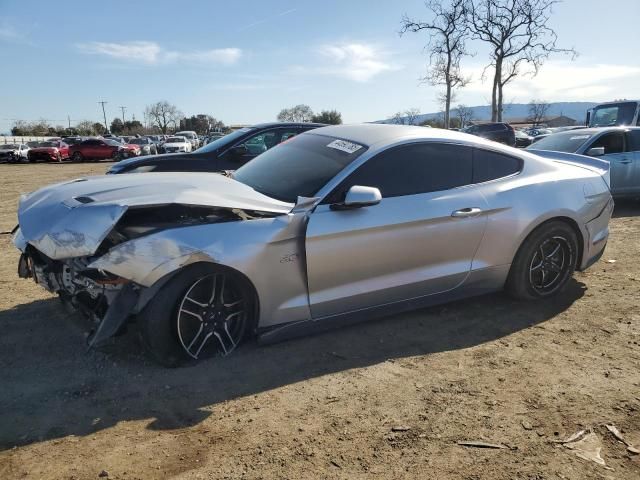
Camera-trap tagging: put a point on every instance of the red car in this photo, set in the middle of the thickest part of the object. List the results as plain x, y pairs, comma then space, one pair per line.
49, 151
95, 149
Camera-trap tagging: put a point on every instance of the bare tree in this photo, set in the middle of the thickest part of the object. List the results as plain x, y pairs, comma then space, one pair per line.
408, 117
518, 34
538, 110
163, 115
299, 113
464, 114
447, 32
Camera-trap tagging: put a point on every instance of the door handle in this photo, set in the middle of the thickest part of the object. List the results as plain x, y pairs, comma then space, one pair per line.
466, 212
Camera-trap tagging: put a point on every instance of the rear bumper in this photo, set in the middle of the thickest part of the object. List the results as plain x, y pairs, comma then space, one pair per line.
598, 234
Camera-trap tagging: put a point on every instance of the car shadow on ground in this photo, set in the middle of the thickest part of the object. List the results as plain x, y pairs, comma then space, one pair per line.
52, 389
628, 207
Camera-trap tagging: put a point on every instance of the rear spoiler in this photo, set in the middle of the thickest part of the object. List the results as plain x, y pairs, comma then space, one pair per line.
595, 164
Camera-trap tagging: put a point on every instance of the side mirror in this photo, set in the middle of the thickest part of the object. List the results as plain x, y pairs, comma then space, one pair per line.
239, 151
595, 152
359, 196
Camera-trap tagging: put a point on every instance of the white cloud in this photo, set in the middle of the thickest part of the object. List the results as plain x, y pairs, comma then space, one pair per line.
150, 53
580, 80
354, 61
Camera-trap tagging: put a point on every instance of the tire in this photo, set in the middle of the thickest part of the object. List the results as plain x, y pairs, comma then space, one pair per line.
77, 157
544, 263
180, 325
59, 158
31, 160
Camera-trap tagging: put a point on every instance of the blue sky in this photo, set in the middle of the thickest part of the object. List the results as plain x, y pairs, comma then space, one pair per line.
243, 61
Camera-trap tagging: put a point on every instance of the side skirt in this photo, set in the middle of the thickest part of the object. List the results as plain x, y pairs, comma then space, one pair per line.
479, 282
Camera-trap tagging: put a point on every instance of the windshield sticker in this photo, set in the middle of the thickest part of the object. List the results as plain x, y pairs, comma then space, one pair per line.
345, 146
579, 137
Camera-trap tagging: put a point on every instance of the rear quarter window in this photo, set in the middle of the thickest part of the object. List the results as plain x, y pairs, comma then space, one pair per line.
489, 165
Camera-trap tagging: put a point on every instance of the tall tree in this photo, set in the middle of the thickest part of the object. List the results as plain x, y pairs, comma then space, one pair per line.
518, 34
85, 127
330, 117
163, 115
117, 127
299, 113
538, 110
447, 32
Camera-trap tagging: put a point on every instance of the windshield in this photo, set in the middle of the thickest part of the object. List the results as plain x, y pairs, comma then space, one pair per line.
48, 144
299, 167
139, 141
227, 139
187, 134
111, 142
611, 115
176, 140
568, 142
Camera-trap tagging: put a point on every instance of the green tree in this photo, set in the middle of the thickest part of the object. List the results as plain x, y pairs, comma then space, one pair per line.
133, 126
299, 113
330, 117
99, 129
117, 127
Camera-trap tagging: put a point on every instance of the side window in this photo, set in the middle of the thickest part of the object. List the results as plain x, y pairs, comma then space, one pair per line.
488, 165
265, 140
612, 143
414, 169
633, 141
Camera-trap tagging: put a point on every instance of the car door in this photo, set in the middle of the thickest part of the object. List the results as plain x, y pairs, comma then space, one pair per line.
633, 147
419, 240
620, 160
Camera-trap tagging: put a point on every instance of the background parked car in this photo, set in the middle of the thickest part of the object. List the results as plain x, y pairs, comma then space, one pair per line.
619, 145
13, 152
191, 136
147, 146
522, 139
95, 149
498, 132
226, 153
177, 144
49, 151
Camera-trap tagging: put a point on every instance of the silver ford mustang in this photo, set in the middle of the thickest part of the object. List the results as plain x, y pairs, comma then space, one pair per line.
336, 225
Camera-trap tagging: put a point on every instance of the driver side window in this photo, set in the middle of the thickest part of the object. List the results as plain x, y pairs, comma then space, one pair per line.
612, 143
264, 141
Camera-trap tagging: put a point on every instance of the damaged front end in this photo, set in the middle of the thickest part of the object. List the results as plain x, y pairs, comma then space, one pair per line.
62, 236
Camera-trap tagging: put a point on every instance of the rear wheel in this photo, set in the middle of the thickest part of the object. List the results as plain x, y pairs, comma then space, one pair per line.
544, 263
201, 312
77, 157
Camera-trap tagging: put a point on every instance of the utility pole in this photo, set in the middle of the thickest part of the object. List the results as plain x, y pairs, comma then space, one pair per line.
106, 127
123, 109
69, 121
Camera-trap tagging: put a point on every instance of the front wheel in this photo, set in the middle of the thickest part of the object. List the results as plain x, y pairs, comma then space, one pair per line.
77, 157
201, 312
544, 263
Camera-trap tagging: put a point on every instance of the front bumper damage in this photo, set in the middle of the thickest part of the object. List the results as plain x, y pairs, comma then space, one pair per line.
106, 301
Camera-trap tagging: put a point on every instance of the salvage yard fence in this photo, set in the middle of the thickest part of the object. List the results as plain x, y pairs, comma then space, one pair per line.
4, 140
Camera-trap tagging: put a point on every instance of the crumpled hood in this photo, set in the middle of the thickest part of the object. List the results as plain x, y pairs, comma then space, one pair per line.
72, 219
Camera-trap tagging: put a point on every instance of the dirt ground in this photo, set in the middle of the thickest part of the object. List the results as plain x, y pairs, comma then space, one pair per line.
386, 399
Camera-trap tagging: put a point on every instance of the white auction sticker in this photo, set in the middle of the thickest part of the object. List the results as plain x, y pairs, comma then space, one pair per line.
579, 137
345, 146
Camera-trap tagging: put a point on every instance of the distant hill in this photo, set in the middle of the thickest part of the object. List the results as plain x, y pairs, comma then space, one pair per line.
575, 110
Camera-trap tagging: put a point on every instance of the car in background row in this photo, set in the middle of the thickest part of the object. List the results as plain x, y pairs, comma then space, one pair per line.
177, 144
620, 146
191, 136
13, 152
497, 131
147, 146
49, 151
226, 153
94, 149
522, 139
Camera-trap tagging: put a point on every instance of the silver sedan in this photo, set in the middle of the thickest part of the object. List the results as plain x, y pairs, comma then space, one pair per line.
336, 225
